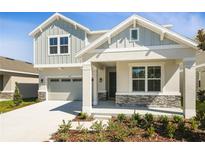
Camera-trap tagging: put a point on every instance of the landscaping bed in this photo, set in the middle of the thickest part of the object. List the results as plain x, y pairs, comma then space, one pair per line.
83, 117
6, 106
136, 128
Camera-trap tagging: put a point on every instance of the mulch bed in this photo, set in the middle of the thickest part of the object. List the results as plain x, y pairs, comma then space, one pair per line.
90, 136
79, 119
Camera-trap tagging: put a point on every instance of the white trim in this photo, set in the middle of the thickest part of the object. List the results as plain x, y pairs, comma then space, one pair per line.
53, 18
7, 91
138, 35
200, 65
144, 22
58, 44
64, 76
145, 64
98, 31
20, 72
141, 48
34, 50
149, 93
58, 65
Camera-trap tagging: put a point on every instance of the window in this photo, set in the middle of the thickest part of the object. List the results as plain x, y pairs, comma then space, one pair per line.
134, 34
146, 78
58, 45
77, 80
63, 45
65, 80
154, 78
54, 80
138, 78
53, 42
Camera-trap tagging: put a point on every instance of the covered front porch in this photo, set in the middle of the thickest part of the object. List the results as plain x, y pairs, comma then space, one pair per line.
151, 86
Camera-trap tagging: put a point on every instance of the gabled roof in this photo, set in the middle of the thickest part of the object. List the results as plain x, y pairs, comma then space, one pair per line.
54, 17
135, 19
16, 66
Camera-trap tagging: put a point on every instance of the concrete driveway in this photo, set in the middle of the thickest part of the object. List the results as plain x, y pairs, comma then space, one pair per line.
36, 122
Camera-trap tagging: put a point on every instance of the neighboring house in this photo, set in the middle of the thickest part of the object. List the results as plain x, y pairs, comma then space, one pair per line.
12, 71
201, 71
136, 63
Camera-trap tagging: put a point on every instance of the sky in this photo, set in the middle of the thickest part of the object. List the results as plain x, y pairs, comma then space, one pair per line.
15, 27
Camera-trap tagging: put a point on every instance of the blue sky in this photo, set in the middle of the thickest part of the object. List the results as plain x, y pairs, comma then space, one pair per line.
14, 27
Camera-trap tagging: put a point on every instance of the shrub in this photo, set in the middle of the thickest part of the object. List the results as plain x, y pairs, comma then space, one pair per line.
136, 116
181, 127
65, 127
144, 123
121, 117
164, 120
200, 116
149, 117
82, 115
201, 95
17, 98
97, 126
177, 119
135, 119
194, 124
117, 131
170, 130
62, 137
151, 131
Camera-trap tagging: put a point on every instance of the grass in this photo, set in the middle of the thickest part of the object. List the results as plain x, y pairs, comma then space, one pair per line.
6, 106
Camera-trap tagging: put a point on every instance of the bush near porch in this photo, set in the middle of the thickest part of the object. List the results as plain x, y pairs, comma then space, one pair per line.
135, 128
6, 106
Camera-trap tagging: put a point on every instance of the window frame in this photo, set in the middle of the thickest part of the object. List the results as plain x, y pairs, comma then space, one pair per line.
58, 44
134, 40
138, 79
146, 65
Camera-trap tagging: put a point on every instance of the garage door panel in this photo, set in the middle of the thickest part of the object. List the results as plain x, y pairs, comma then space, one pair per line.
65, 90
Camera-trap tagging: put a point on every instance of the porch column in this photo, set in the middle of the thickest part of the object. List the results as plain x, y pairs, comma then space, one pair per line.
95, 86
189, 88
87, 88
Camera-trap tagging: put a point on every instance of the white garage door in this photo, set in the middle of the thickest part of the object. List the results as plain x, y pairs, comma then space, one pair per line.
65, 89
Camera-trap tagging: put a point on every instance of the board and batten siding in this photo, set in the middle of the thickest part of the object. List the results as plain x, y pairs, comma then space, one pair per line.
58, 27
146, 38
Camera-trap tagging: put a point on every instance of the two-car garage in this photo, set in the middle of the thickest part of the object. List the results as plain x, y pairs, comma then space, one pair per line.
65, 89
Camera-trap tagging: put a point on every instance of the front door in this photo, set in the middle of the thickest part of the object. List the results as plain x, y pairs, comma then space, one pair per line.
112, 84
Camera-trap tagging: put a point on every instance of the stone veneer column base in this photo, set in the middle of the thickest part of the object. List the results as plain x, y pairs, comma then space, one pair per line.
6, 95
41, 96
149, 100
102, 96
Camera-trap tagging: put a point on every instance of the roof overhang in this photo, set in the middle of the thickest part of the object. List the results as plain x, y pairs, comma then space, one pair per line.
144, 22
54, 17
18, 72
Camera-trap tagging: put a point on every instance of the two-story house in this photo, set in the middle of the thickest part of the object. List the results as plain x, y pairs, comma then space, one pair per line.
136, 63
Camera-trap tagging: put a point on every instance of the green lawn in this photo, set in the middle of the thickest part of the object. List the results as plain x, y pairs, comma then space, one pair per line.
6, 106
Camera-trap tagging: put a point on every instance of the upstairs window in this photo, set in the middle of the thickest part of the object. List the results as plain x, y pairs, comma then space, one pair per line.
58, 45
63, 45
53, 42
134, 34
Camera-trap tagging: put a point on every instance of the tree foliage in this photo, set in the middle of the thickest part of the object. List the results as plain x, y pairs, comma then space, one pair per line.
200, 37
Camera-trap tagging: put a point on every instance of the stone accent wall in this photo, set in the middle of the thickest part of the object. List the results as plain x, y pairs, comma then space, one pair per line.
6, 95
102, 96
41, 96
149, 100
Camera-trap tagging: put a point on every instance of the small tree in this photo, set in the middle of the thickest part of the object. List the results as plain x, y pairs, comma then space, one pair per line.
17, 98
200, 37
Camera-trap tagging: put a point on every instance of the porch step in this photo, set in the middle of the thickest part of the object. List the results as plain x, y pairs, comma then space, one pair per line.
101, 117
